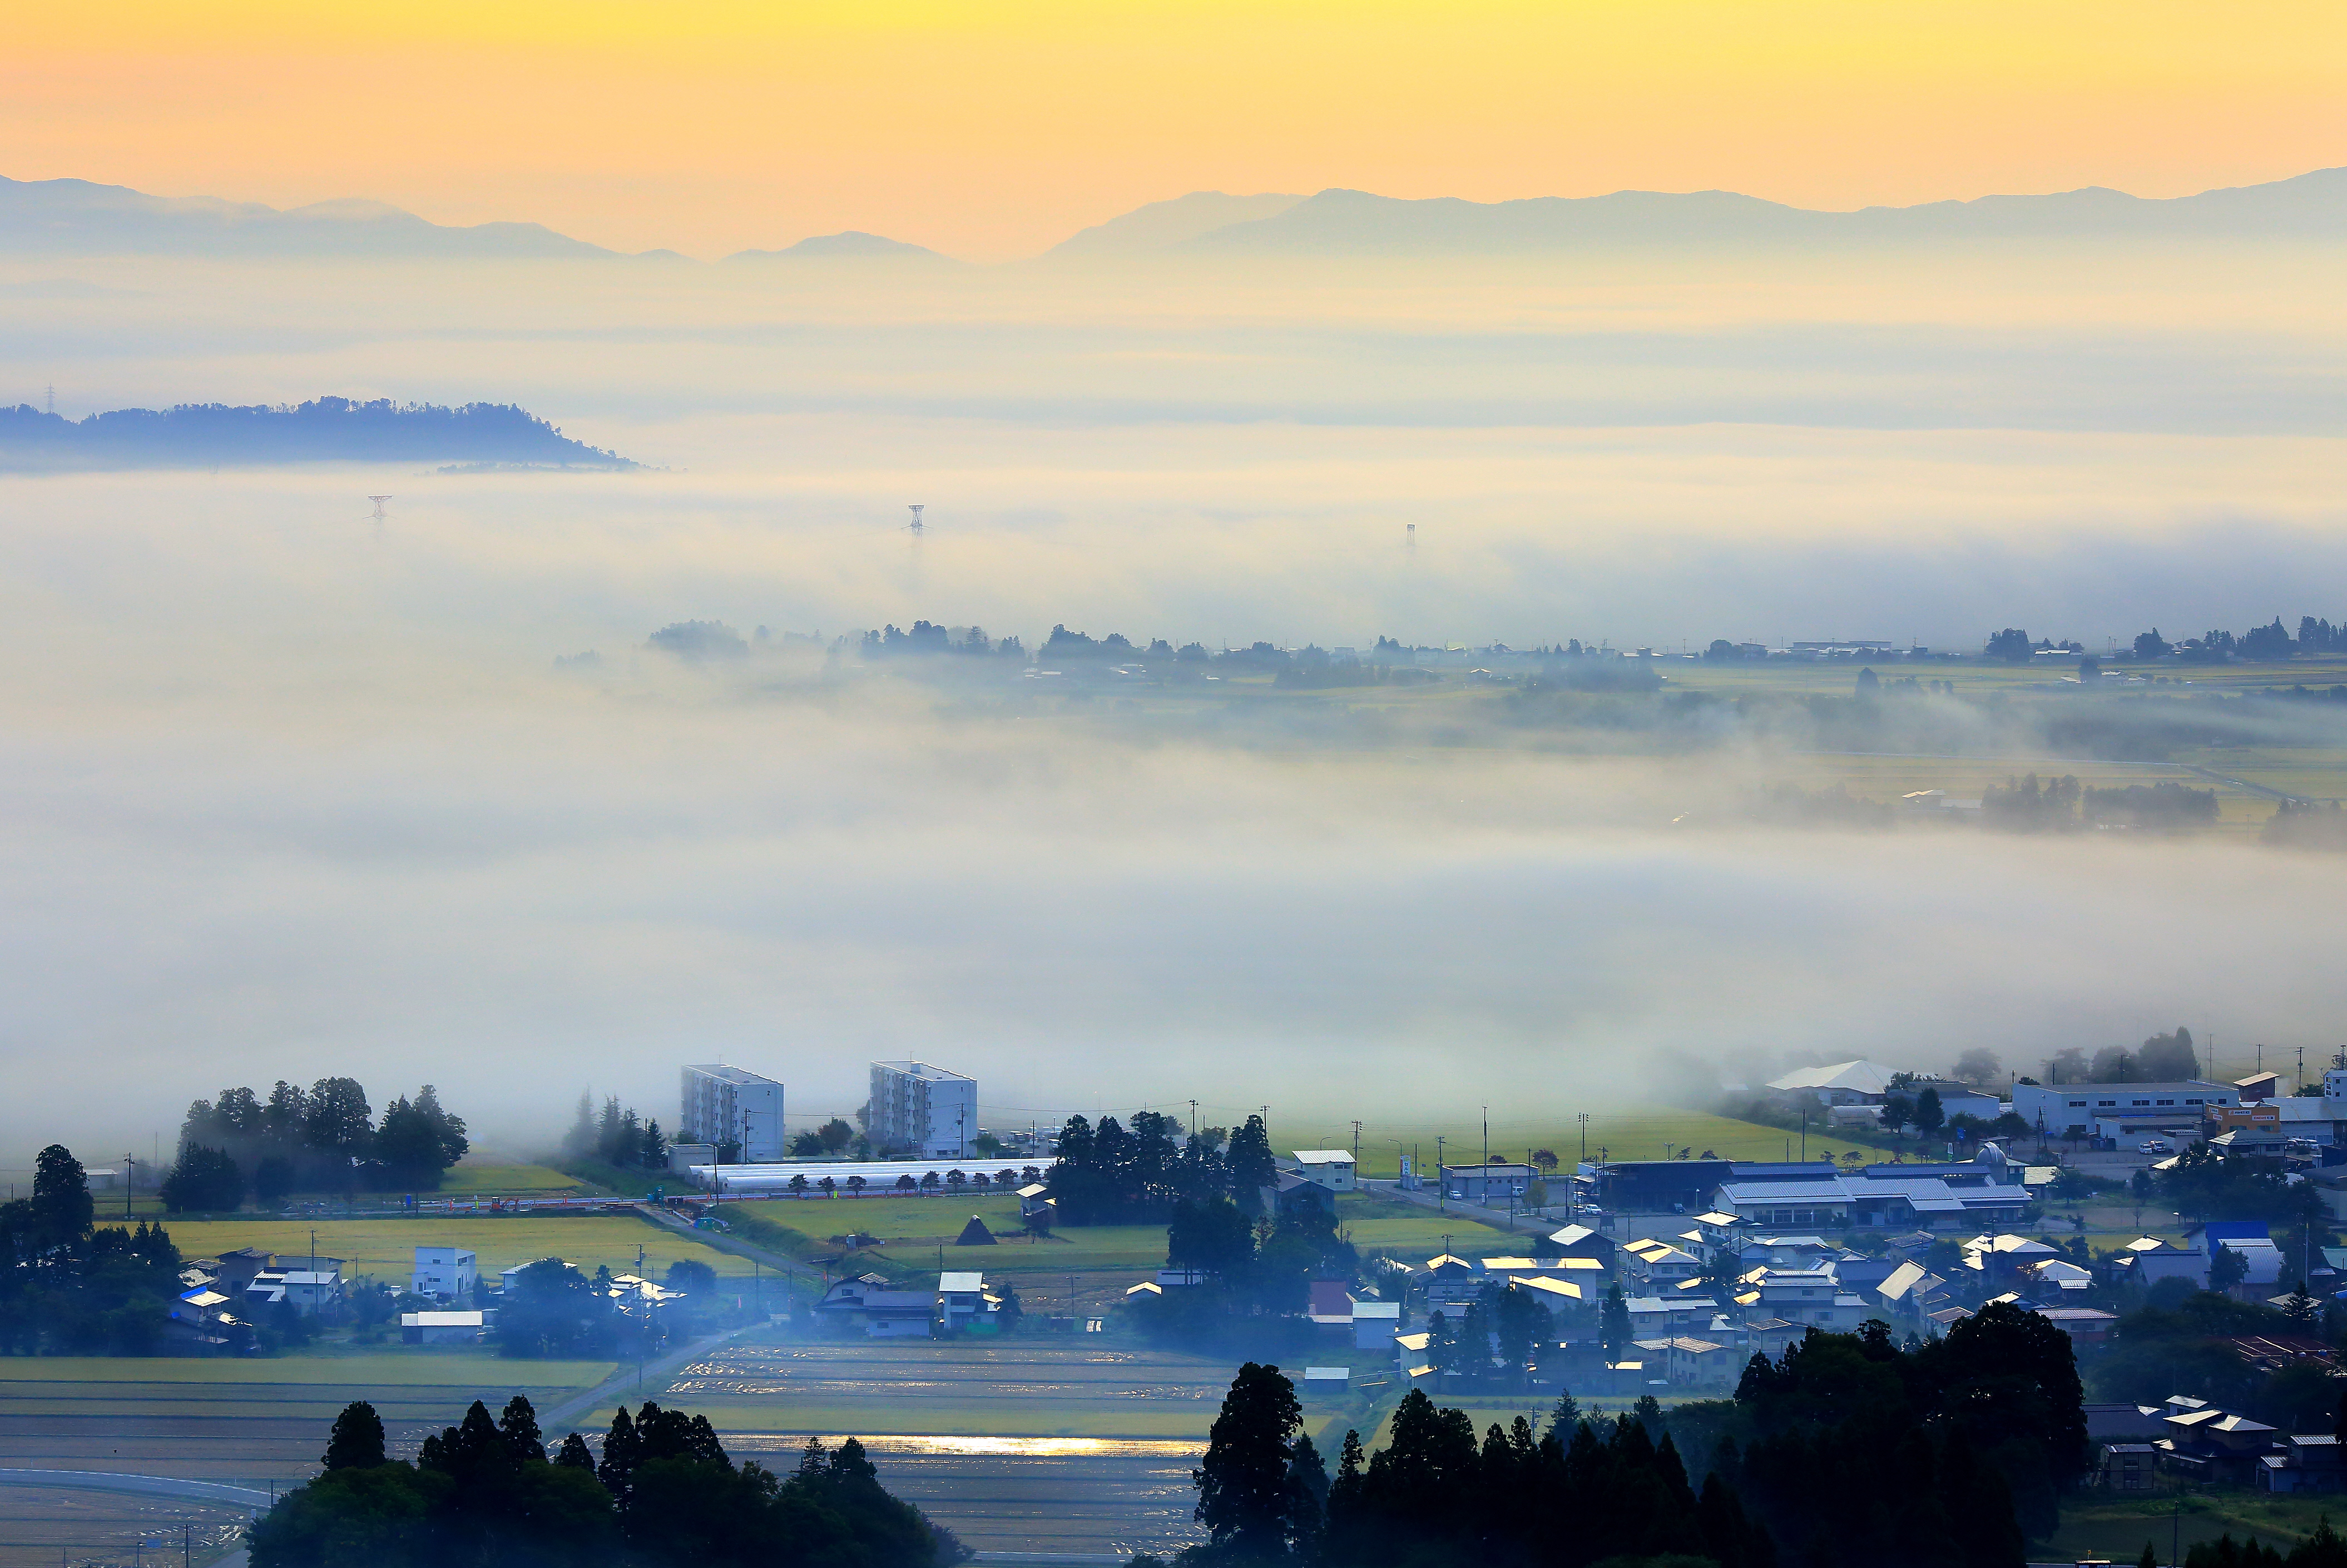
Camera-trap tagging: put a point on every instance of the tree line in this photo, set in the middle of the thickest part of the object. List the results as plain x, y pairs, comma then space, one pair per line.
1135, 1174
1845, 1449
2259, 643
73, 1287
322, 1139
2062, 804
616, 1135
661, 1492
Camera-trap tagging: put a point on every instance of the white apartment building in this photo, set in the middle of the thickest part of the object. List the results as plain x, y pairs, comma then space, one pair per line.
922, 1108
729, 1105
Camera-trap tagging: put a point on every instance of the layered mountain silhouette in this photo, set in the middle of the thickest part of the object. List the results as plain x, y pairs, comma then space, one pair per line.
2309, 207
326, 429
66, 216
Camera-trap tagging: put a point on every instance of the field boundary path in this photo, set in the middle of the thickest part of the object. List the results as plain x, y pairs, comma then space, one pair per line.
720, 1241
629, 1380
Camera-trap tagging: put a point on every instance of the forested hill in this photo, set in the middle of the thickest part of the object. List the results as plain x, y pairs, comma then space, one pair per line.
326, 429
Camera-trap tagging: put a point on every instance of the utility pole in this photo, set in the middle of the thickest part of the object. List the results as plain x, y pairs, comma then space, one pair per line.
1487, 1136
1193, 1118
1356, 1146
127, 1164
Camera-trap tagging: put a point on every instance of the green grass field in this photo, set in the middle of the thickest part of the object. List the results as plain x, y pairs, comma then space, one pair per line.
386, 1248
918, 1235
496, 1177
1639, 1133
2111, 1528
1412, 1232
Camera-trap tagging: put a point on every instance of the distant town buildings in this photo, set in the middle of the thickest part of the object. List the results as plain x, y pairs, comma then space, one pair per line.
926, 1109
729, 1105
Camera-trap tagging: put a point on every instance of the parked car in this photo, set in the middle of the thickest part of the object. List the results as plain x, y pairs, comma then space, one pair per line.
2152, 1146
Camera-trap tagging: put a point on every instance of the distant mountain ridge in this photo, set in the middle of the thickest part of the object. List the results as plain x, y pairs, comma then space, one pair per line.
2306, 207
1161, 225
326, 429
76, 216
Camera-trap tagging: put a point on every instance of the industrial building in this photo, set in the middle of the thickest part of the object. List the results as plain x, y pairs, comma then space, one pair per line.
926, 1110
729, 1105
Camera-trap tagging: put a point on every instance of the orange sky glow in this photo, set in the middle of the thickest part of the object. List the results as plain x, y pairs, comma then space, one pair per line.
991, 129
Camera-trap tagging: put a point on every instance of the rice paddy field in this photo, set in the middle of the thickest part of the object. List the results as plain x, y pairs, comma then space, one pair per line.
1038, 1443
249, 1421
43, 1527
386, 1248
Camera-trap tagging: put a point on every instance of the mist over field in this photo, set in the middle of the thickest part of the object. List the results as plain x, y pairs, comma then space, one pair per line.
289, 795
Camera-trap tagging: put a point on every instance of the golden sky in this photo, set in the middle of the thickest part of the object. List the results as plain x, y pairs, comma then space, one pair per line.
994, 130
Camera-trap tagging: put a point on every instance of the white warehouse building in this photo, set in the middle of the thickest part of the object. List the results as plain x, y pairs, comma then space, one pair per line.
922, 1108
729, 1105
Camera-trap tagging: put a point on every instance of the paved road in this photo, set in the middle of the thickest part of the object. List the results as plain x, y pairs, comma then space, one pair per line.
139, 1486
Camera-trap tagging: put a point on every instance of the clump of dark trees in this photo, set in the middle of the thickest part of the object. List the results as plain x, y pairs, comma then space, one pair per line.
2323, 1548
1258, 1258
662, 1491
2030, 806
2186, 1341
617, 1136
2259, 643
1847, 1448
2169, 1058
551, 1309
322, 1139
1135, 1174
73, 1288
2306, 824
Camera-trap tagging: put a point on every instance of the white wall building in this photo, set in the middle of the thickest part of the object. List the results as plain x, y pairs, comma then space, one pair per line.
1332, 1168
2074, 1110
925, 1109
729, 1105
440, 1327
443, 1271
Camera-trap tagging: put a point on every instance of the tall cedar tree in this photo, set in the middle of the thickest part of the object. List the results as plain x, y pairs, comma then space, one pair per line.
1246, 1499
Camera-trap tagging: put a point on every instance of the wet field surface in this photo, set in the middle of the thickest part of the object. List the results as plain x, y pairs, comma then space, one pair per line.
1105, 1497
1028, 1388
248, 1434
1026, 1445
1030, 1444
40, 1528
